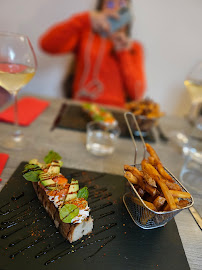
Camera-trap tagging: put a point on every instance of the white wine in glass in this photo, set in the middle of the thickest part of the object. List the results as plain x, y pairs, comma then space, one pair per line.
17, 67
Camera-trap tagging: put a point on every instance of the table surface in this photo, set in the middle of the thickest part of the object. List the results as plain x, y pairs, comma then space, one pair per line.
71, 146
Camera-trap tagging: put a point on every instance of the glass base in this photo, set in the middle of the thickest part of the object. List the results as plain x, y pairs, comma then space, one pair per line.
15, 142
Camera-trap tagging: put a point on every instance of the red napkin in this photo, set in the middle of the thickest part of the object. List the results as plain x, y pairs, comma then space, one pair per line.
29, 108
3, 159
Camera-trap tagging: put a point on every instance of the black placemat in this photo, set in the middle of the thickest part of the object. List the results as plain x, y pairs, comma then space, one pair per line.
73, 117
116, 242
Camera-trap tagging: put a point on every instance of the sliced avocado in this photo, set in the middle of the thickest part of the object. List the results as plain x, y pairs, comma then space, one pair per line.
73, 189
44, 176
47, 182
55, 163
74, 186
71, 197
36, 162
54, 169
52, 188
60, 163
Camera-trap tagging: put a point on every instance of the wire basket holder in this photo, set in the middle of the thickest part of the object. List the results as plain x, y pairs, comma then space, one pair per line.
140, 213
126, 114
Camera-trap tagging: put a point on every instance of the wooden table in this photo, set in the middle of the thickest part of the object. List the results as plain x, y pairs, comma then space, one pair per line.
71, 146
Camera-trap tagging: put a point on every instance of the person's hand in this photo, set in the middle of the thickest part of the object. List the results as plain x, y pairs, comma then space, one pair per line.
121, 41
99, 20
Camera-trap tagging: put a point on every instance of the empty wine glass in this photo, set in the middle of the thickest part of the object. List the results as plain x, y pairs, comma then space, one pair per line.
17, 67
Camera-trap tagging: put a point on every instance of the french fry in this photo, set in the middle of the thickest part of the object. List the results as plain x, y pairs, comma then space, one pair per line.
128, 175
152, 152
163, 173
146, 107
151, 190
171, 185
182, 203
148, 204
166, 208
138, 112
150, 170
180, 194
146, 214
149, 179
141, 192
159, 202
152, 161
176, 200
167, 194
134, 171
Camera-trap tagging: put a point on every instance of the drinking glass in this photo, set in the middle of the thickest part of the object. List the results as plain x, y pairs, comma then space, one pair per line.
101, 138
17, 67
191, 173
193, 83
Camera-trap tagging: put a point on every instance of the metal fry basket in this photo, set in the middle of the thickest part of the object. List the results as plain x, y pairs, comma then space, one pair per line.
140, 213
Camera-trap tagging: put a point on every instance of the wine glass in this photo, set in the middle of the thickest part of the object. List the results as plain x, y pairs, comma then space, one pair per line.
193, 83
17, 67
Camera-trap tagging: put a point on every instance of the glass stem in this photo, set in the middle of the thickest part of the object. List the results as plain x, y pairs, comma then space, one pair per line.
15, 111
17, 132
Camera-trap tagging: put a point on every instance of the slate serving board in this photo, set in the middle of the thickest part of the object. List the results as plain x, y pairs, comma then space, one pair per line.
73, 117
32, 241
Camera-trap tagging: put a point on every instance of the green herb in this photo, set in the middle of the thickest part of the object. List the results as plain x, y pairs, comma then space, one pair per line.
68, 212
87, 106
51, 157
31, 167
31, 172
103, 109
98, 118
83, 193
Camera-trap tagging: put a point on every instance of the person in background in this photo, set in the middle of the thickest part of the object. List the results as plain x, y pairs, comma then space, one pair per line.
109, 69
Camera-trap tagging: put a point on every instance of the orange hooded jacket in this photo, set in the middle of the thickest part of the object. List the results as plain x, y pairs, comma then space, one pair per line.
102, 75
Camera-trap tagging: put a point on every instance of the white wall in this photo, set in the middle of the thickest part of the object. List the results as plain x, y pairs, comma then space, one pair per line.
169, 30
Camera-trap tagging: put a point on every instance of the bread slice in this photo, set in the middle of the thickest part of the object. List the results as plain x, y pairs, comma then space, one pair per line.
71, 232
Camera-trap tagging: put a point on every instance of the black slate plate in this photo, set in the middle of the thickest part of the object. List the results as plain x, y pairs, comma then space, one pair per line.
73, 117
116, 242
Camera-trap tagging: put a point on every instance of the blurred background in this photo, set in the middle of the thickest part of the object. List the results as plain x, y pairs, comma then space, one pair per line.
170, 32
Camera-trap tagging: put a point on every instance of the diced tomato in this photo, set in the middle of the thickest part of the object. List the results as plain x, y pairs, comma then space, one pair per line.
60, 180
62, 192
67, 186
52, 193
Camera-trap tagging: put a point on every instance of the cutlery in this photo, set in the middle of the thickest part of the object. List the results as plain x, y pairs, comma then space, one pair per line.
196, 216
58, 117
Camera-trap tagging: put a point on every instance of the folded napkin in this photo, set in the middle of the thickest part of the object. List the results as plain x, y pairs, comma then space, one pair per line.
29, 108
3, 159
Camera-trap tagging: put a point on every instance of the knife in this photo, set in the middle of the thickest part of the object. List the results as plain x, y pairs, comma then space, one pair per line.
58, 117
196, 216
